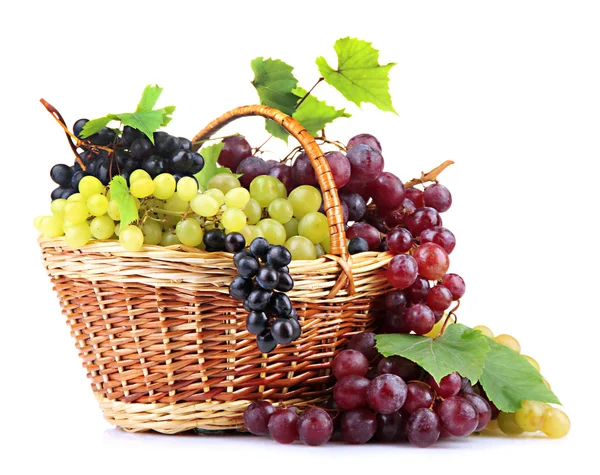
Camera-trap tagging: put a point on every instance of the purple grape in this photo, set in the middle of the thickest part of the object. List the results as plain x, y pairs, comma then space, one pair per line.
455, 284
417, 292
365, 139
439, 235
386, 393
420, 319
458, 416
358, 426
423, 428
422, 219
284, 174
391, 427
395, 322
315, 426
361, 188
396, 300
439, 298
416, 196
271, 163
340, 168
449, 385
351, 392
399, 240
235, 149
348, 363
438, 196
402, 271
250, 168
303, 172
387, 191
483, 408
283, 426
256, 417
366, 163
367, 232
406, 369
418, 396
356, 205
365, 343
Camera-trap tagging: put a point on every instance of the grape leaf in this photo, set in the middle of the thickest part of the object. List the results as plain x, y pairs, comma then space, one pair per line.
459, 349
359, 76
274, 82
314, 114
125, 201
96, 125
508, 379
149, 98
147, 121
167, 111
210, 155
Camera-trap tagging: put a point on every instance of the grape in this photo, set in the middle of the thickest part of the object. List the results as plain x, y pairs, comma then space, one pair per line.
357, 206
357, 245
508, 341
189, 232
131, 238
234, 242
366, 163
399, 240
441, 236
485, 330
458, 416
340, 168
78, 126
142, 188
508, 424
216, 195
258, 300
197, 163
281, 210
416, 196
257, 322
102, 227
530, 417
391, 427
438, 197
423, 428
449, 385
366, 139
187, 188
284, 174
367, 232
422, 219
240, 289
402, 271
301, 248
233, 219
358, 426
253, 211
264, 189
365, 343
77, 197
314, 226
75, 212
406, 369
154, 165
420, 319
259, 248
387, 191
439, 298
484, 411
267, 277
315, 427
386, 393
349, 362
164, 186
90, 185
326, 244
235, 149
418, 291
350, 392
78, 235
247, 267
395, 300
286, 283
395, 322
58, 207
139, 174
51, 226
282, 304
256, 417
283, 331
152, 232
278, 257
305, 199
113, 210
61, 174
214, 240
303, 172
283, 426
59, 191
180, 162
455, 284
169, 238
237, 198
250, 168
273, 231
166, 145
556, 423
97, 205
432, 260
224, 182
141, 148
418, 396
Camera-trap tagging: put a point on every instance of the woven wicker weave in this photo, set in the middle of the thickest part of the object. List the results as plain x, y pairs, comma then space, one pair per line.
164, 345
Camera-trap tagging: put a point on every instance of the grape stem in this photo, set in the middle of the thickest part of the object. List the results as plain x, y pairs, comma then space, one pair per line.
429, 176
308, 93
452, 315
258, 149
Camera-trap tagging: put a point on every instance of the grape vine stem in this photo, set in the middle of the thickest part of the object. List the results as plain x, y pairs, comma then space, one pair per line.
308, 93
429, 176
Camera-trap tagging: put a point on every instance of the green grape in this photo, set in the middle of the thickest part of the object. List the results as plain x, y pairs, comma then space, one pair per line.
90, 185
556, 423
142, 188
314, 226
224, 182
320, 250
76, 197
76, 212
131, 238
58, 207
507, 423
291, 228
248, 233
169, 238
253, 211
273, 231
204, 205
281, 190
264, 189
139, 174
113, 210
164, 186
327, 244
189, 232
187, 188
301, 248
97, 205
237, 198
102, 227
176, 204
78, 235
117, 229
171, 221
37, 222
305, 199
66, 225
257, 231
281, 210
233, 219
217, 194
51, 226
152, 232
531, 416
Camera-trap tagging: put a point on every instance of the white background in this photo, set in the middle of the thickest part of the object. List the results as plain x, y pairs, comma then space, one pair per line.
508, 90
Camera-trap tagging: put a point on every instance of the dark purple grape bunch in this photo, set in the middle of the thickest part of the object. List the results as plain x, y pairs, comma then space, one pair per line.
263, 278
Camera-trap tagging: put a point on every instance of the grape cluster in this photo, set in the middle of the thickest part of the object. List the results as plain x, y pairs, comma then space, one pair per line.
263, 278
108, 153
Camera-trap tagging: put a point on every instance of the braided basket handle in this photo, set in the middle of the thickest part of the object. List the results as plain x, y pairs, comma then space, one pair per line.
332, 205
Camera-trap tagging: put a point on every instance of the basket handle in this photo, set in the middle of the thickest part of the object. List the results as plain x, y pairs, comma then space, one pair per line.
332, 205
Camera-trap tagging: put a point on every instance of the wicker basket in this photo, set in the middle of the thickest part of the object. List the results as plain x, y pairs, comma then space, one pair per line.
164, 345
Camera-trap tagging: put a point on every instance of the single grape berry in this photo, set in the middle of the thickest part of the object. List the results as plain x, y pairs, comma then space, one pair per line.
78, 127
315, 426
386, 393
418, 396
455, 284
399, 240
259, 247
350, 392
439, 298
235, 242
349, 362
265, 342
483, 408
432, 260
247, 267
391, 427
365, 343
214, 240
402, 271
61, 174
256, 417
283, 426
441, 236
282, 304
358, 426
257, 322
283, 331
438, 197
396, 300
417, 292
449, 385
423, 428
286, 283
458, 416
240, 288
403, 367
267, 278
278, 257
357, 245
258, 299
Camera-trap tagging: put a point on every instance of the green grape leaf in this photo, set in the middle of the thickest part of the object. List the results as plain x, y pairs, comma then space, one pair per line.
149, 98
96, 125
359, 76
125, 201
314, 114
508, 379
459, 349
147, 122
274, 82
210, 154
166, 112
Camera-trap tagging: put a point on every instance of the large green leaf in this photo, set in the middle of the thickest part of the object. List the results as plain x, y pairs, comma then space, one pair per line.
149, 98
359, 76
314, 114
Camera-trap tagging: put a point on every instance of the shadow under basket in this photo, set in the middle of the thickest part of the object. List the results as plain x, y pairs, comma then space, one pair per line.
164, 345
